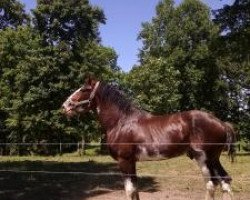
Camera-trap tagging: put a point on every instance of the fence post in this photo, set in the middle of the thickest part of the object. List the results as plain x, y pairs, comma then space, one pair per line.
83, 145
60, 148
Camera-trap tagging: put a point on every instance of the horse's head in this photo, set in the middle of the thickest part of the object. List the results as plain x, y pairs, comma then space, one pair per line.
81, 101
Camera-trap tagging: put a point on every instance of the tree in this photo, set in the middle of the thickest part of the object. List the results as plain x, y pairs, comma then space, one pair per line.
12, 14
73, 26
67, 21
233, 48
155, 81
40, 69
235, 28
155, 86
26, 86
180, 37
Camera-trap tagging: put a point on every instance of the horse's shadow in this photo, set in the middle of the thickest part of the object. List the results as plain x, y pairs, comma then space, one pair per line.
94, 179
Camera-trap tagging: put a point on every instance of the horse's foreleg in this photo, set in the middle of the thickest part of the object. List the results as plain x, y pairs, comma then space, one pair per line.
131, 188
130, 180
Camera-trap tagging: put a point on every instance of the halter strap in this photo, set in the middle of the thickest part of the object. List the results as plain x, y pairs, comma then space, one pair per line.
91, 96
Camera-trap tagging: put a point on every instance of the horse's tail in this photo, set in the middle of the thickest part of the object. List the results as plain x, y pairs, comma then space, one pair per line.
232, 138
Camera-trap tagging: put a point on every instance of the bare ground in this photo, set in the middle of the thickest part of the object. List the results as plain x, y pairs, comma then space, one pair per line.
161, 195
177, 179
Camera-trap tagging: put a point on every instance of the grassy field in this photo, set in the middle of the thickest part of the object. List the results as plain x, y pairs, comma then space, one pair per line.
72, 177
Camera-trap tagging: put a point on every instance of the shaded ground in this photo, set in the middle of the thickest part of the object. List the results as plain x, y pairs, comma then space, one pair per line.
168, 181
75, 186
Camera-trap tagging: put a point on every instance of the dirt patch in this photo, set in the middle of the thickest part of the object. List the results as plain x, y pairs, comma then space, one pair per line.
161, 195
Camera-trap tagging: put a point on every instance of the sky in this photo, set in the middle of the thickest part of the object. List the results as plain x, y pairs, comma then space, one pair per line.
123, 24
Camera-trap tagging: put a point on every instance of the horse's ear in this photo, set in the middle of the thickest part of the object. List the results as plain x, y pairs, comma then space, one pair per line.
87, 80
90, 79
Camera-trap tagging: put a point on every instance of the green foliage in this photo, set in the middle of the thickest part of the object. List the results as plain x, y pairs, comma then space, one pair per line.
235, 28
194, 63
29, 86
187, 61
37, 76
176, 50
234, 50
155, 86
68, 21
12, 14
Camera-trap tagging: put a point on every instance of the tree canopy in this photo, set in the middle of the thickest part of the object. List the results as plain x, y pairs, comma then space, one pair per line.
12, 14
41, 64
189, 60
180, 37
234, 52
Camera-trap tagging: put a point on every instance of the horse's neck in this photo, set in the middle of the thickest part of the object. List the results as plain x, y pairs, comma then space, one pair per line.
110, 113
108, 116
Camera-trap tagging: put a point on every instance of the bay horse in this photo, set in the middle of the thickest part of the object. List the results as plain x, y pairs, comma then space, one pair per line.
136, 135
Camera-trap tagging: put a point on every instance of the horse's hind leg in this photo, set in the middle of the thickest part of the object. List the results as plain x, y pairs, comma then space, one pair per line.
207, 172
219, 175
225, 180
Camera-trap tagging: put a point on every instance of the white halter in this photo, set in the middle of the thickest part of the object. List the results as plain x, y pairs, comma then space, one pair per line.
87, 101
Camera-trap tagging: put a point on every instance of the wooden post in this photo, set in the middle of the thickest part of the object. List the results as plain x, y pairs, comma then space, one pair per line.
60, 147
83, 145
78, 148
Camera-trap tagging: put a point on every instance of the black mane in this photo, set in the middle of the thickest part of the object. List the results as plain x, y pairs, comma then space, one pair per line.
113, 94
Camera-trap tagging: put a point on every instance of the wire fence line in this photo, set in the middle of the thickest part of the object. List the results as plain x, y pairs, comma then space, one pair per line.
108, 174
120, 143
46, 172
61, 172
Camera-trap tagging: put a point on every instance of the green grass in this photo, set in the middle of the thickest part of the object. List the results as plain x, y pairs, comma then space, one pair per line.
184, 174
180, 174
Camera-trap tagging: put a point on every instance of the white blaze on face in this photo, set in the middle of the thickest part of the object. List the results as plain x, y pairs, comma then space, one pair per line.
67, 104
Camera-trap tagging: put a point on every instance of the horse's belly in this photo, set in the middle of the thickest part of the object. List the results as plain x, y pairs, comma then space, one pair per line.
149, 155
162, 153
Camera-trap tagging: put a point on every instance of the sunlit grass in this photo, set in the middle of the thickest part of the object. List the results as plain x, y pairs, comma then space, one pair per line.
179, 173
184, 174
